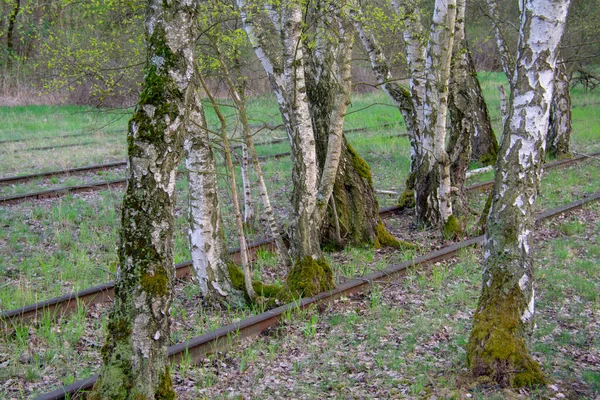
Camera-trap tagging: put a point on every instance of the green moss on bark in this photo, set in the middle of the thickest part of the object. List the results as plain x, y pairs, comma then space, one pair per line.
270, 291
407, 199
384, 238
156, 284
309, 277
452, 229
165, 387
497, 346
485, 212
360, 165
489, 157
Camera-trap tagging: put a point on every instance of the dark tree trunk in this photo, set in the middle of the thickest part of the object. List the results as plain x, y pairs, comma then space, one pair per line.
352, 216
11, 30
135, 353
559, 132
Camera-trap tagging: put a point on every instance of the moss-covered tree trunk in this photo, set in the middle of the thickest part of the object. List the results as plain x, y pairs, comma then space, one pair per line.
559, 132
207, 241
504, 316
352, 211
134, 356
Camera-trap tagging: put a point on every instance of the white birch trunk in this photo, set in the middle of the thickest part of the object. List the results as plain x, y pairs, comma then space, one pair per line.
207, 242
432, 179
504, 315
506, 57
245, 172
559, 134
304, 227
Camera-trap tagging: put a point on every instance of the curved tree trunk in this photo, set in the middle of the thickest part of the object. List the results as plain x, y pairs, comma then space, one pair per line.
401, 96
559, 132
468, 110
504, 316
135, 352
352, 215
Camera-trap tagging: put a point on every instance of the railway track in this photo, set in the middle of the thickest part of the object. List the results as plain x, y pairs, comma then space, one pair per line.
52, 193
196, 348
62, 305
118, 164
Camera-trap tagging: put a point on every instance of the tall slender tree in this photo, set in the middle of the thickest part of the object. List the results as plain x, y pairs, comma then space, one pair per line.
471, 133
303, 73
424, 104
134, 356
504, 316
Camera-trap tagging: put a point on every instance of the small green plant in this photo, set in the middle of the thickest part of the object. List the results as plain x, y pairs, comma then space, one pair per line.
375, 296
310, 329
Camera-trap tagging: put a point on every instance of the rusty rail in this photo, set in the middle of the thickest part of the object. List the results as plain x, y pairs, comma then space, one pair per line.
52, 193
62, 305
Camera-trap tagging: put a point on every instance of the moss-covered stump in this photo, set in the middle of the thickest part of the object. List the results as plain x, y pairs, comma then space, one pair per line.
452, 229
383, 238
309, 277
497, 348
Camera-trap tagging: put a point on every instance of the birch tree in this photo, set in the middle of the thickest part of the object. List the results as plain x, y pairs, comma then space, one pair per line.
424, 104
559, 132
277, 34
207, 241
134, 356
227, 44
504, 315
471, 134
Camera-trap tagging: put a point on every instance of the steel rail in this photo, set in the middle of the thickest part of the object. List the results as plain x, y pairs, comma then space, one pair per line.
52, 193
69, 171
196, 348
62, 305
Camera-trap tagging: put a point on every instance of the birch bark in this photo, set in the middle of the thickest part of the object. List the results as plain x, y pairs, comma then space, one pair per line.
559, 134
470, 121
432, 169
504, 315
207, 242
347, 207
135, 353
245, 172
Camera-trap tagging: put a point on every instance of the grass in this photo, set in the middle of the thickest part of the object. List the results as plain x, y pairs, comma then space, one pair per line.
57, 246
408, 340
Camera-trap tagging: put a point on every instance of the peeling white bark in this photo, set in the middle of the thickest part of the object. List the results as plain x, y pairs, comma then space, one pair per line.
510, 223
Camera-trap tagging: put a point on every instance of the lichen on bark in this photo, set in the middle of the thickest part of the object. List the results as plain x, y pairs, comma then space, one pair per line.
135, 352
